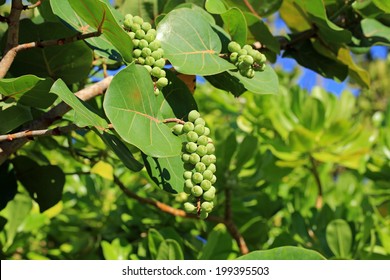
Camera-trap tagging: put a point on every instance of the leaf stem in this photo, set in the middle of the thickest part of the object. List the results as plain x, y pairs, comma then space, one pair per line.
317, 179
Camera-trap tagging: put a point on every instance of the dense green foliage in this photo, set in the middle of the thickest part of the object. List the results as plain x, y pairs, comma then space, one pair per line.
100, 167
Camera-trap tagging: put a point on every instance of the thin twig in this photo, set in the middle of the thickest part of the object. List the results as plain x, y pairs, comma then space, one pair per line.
249, 6
317, 178
13, 25
9, 57
27, 7
180, 213
171, 120
4, 19
46, 119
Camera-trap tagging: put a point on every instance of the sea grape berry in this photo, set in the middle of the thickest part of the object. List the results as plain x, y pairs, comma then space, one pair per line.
199, 164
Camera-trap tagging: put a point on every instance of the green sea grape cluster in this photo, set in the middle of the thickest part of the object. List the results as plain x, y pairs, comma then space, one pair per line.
246, 59
199, 164
147, 49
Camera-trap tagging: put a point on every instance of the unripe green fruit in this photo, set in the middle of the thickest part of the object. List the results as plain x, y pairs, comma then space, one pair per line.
206, 160
162, 73
191, 147
146, 52
188, 126
188, 183
143, 44
212, 168
206, 131
148, 68
187, 175
149, 61
213, 158
178, 129
194, 158
199, 129
202, 140
214, 179
138, 19
247, 48
196, 191
189, 207
160, 63
210, 148
139, 34
233, 57
197, 177
156, 55
135, 26
156, 72
146, 26
205, 185
136, 43
206, 206
129, 16
199, 121
242, 52
155, 45
141, 60
208, 175
243, 67
201, 150
234, 46
131, 34
156, 91
152, 32
203, 215
192, 136
127, 23
137, 53
248, 60
260, 58
250, 73
161, 82
149, 37
193, 115
185, 157
209, 195
200, 167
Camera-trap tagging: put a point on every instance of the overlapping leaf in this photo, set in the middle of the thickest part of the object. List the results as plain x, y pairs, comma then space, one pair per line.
190, 43
134, 111
283, 253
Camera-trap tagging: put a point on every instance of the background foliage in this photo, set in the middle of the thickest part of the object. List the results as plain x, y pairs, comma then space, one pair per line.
301, 175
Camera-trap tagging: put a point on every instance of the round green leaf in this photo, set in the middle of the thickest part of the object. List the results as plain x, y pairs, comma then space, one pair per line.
339, 238
134, 111
190, 43
284, 253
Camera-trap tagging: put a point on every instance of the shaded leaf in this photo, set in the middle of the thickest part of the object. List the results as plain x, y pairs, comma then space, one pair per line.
190, 43
376, 32
235, 25
283, 253
339, 238
170, 250
9, 185
15, 116
154, 241
28, 90
134, 111
219, 244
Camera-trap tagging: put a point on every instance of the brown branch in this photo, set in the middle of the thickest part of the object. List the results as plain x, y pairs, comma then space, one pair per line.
46, 119
13, 25
4, 19
234, 232
9, 57
170, 120
249, 6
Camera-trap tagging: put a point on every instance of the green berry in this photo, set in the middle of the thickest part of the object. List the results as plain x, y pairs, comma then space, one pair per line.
242, 52
201, 150
212, 167
141, 60
162, 73
248, 60
199, 129
135, 26
143, 44
191, 147
203, 215
149, 37
161, 82
148, 68
156, 91
233, 57
136, 43
208, 175
137, 53
196, 191
155, 45
131, 34
205, 185
188, 183
199, 121
194, 158
206, 131
193, 115
214, 179
178, 129
146, 52
189, 207
213, 158
248, 48
207, 206
209, 195
192, 136
157, 55
202, 140
156, 72
149, 60
250, 73
185, 157
200, 167
138, 19
146, 26
127, 23
234, 46
210, 148
188, 126
187, 174
160, 63
197, 177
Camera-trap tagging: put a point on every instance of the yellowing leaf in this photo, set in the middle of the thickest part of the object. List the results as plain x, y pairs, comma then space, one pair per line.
103, 169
